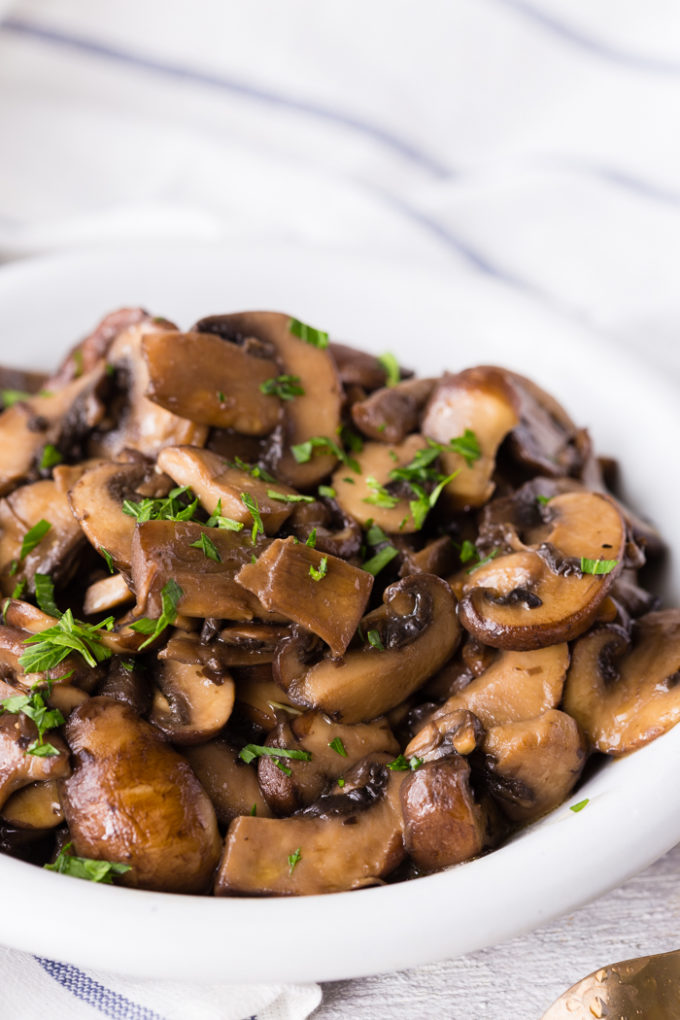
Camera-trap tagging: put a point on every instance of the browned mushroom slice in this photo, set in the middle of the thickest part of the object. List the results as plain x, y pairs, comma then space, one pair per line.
482, 401
517, 685
19, 767
533, 764
322, 593
545, 438
56, 553
552, 591
231, 784
334, 749
211, 382
316, 412
133, 799
107, 593
61, 418
128, 681
622, 691
166, 550
90, 352
364, 496
220, 486
389, 414
35, 807
259, 699
436, 557
97, 500
190, 704
246, 644
359, 368
407, 640
140, 424
346, 840
444, 823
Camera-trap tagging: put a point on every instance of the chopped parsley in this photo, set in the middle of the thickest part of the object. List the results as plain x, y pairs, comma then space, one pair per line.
50, 647
44, 595
337, 745
310, 335
252, 751
580, 806
468, 551
543, 500
487, 559
374, 639
341, 782
174, 507
221, 397
33, 537
303, 451
327, 491
250, 503
380, 560
467, 446
311, 539
208, 547
285, 387
380, 496
318, 573
19, 589
50, 457
285, 498
109, 559
11, 397
226, 523
33, 706
253, 811
84, 867
171, 596
254, 470
403, 764
597, 566
294, 859
391, 366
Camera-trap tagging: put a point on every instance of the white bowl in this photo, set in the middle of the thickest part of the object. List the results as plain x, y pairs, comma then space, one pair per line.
555, 865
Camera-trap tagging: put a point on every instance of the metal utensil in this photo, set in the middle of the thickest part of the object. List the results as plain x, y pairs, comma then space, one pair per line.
647, 988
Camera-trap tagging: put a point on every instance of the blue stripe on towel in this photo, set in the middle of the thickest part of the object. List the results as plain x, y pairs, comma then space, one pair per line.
88, 990
402, 146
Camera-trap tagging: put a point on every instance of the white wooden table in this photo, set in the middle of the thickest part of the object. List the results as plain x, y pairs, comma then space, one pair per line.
521, 978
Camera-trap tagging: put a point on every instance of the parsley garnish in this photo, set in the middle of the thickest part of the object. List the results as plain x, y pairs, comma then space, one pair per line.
172, 508
380, 497
252, 751
391, 366
33, 707
294, 859
19, 589
252, 469
11, 397
284, 498
303, 451
402, 764
597, 566
250, 503
226, 523
468, 551
543, 500
311, 539
374, 639
327, 491
33, 538
84, 867
467, 446
220, 396
337, 745
253, 811
487, 559
341, 782
210, 550
44, 595
380, 560
317, 574
171, 596
56, 643
286, 387
50, 457
109, 559
315, 337
580, 806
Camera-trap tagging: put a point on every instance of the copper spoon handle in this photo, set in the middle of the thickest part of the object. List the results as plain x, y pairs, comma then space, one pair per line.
647, 988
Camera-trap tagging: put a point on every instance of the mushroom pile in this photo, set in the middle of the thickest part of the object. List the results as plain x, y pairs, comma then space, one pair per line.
280, 618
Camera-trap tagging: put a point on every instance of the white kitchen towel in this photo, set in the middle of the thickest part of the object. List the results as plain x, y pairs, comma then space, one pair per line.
31, 987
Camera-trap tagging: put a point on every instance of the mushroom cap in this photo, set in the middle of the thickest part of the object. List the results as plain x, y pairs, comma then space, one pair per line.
190, 705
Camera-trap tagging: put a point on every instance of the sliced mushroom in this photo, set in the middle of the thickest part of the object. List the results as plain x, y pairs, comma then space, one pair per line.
208, 381
540, 595
18, 767
532, 765
259, 699
324, 594
623, 691
481, 400
334, 749
346, 840
134, 800
389, 414
221, 486
231, 784
190, 704
517, 685
545, 439
418, 631
364, 495
107, 593
140, 424
128, 682
164, 550
35, 807
316, 412
89, 353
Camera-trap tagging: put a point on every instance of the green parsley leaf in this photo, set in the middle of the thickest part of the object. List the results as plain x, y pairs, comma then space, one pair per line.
402, 764
317, 574
50, 457
210, 550
84, 867
380, 560
11, 397
487, 559
580, 806
19, 589
286, 387
283, 498
303, 451
252, 751
171, 596
597, 566
375, 534
252, 469
337, 745
55, 644
380, 496
109, 559
33, 537
44, 595
327, 491
250, 503
468, 551
351, 439
391, 366
341, 782
374, 639
311, 539
174, 507
34, 707
220, 396
543, 500
294, 859
467, 446
253, 811
226, 523
42, 750
315, 337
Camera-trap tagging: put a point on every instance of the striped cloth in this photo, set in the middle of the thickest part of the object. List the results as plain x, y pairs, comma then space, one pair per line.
531, 141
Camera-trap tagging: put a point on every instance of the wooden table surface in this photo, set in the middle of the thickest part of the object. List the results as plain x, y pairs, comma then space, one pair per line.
519, 979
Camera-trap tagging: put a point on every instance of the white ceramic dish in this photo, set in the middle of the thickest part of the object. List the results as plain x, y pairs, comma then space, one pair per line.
634, 812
